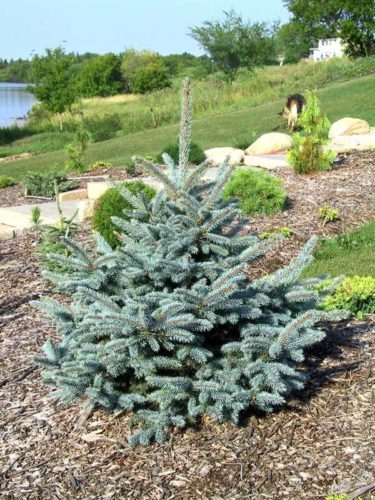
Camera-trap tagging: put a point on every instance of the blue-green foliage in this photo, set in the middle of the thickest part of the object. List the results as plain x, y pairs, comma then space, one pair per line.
169, 326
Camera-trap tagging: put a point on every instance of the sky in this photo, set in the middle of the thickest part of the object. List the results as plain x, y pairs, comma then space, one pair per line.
100, 26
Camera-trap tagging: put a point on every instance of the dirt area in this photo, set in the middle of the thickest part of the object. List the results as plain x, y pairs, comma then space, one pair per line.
321, 443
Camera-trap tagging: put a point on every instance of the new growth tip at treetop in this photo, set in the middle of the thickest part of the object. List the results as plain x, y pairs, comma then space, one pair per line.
169, 326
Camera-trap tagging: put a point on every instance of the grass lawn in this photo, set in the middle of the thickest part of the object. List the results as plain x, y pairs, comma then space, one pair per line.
353, 98
350, 254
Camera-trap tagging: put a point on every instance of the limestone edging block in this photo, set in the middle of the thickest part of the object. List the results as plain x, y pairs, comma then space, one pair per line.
76, 194
268, 163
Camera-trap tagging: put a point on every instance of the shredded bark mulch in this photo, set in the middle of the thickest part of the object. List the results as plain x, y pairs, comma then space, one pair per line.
321, 443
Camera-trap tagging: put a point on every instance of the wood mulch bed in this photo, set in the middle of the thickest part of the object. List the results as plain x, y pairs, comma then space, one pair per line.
322, 442
348, 188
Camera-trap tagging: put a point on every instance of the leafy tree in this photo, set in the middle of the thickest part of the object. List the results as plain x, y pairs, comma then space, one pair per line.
55, 86
101, 76
153, 76
132, 61
169, 327
234, 43
353, 21
188, 65
293, 42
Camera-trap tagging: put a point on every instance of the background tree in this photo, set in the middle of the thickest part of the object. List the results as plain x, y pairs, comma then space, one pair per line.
353, 21
153, 76
54, 81
17, 70
293, 42
101, 76
132, 61
234, 43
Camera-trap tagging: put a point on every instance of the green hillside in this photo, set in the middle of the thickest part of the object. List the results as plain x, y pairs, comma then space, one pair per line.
354, 98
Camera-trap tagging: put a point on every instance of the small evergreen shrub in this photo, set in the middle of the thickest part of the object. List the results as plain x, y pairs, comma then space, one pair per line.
287, 232
100, 164
6, 181
356, 294
43, 184
328, 214
307, 154
257, 192
168, 327
36, 214
113, 204
76, 151
196, 153
130, 168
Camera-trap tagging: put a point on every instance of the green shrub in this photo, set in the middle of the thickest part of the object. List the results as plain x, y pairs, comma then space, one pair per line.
43, 184
196, 155
6, 181
257, 192
113, 204
356, 294
307, 154
287, 232
152, 77
76, 151
104, 127
100, 164
131, 169
36, 216
328, 214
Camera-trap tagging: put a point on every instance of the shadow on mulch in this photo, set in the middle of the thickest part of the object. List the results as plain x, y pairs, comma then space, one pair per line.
346, 334
13, 304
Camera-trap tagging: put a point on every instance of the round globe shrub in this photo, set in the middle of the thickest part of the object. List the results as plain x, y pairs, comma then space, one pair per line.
111, 204
196, 155
257, 192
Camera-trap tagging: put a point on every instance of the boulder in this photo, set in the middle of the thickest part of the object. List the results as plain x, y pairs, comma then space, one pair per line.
274, 142
218, 155
348, 126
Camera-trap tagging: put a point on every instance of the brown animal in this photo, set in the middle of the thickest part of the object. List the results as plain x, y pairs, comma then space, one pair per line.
293, 108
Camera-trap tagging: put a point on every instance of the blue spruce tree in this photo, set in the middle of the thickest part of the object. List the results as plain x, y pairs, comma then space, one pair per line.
169, 326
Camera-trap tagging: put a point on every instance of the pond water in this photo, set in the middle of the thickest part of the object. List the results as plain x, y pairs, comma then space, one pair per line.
15, 102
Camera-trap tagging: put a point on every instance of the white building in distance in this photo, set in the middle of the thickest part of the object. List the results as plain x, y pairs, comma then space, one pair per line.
327, 48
